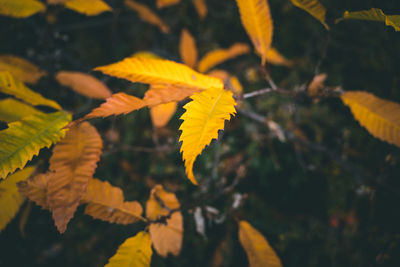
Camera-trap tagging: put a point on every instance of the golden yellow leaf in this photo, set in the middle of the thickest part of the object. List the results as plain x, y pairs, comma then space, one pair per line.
201, 8
204, 117
231, 82
20, 8
257, 21
215, 57
134, 252
374, 14
165, 3
161, 114
274, 57
35, 189
146, 54
20, 68
106, 202
84, 84
188, 49
87, 7
314, 8
316, 84
166, 238
11, 86
147, 15
13, 110
159, 71
23, 139
259, 252
380, 117
10, 198
73, 162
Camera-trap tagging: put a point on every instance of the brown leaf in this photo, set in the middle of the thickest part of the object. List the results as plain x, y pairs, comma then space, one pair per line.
106, 202
35, 189
188, 49
316, 84
166, 238
73, 162
84, 84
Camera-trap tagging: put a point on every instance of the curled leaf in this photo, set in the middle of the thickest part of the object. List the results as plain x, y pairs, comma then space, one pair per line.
20, 68
374, 14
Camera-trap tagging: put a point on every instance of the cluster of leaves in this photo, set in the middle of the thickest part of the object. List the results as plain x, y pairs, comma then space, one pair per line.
214, 96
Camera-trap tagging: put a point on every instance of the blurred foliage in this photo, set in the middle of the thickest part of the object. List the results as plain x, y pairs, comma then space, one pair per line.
315, 209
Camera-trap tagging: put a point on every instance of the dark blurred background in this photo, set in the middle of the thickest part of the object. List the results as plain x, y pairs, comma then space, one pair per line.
336, 204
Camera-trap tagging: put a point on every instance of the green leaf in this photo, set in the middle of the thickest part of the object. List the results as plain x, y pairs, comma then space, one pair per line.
23, 139
14, 110
374, 14
11, 86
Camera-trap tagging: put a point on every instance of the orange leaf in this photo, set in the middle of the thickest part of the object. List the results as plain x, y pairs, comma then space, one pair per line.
106, 202
201, 8
218, 56
161, 94
231, 82
188, 49
257, 21
274, 57
147, 15
316, 84
22, 69
259, 252
84, 84
35, 189
161, 114
166, 3
166, 238
73, 162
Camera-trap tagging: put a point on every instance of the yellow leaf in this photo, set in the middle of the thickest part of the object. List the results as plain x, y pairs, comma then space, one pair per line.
13, 110
10, 198
134, 252
73, 163
165, 3
20, 68
147, 15
218, 56
20, 8
314, 8
84, 84
257, 21
274, 57
35, 189
259, 252
159, 71
188, 49
11, 86
380, 117
106, 202
201, 8
145, 54
87, 7
374, 14
166, 237
161, 114
23, 139
231, 82
204, 117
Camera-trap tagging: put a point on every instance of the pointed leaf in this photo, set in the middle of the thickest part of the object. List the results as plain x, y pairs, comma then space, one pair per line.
13, 110
20, 68
314, 8
10, 198
188, 49
161, 94
23, 139
159, 71
106, 202
87, 7
166, 238
35, 189
316, 84
73, 162
84, 84
218, 56
201, 8
380, 117
204, 117
11, 86
374, 14
257, 21
147, 15
161, 114
166, 3
20, 8
275, 58
134, 252
259, 252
